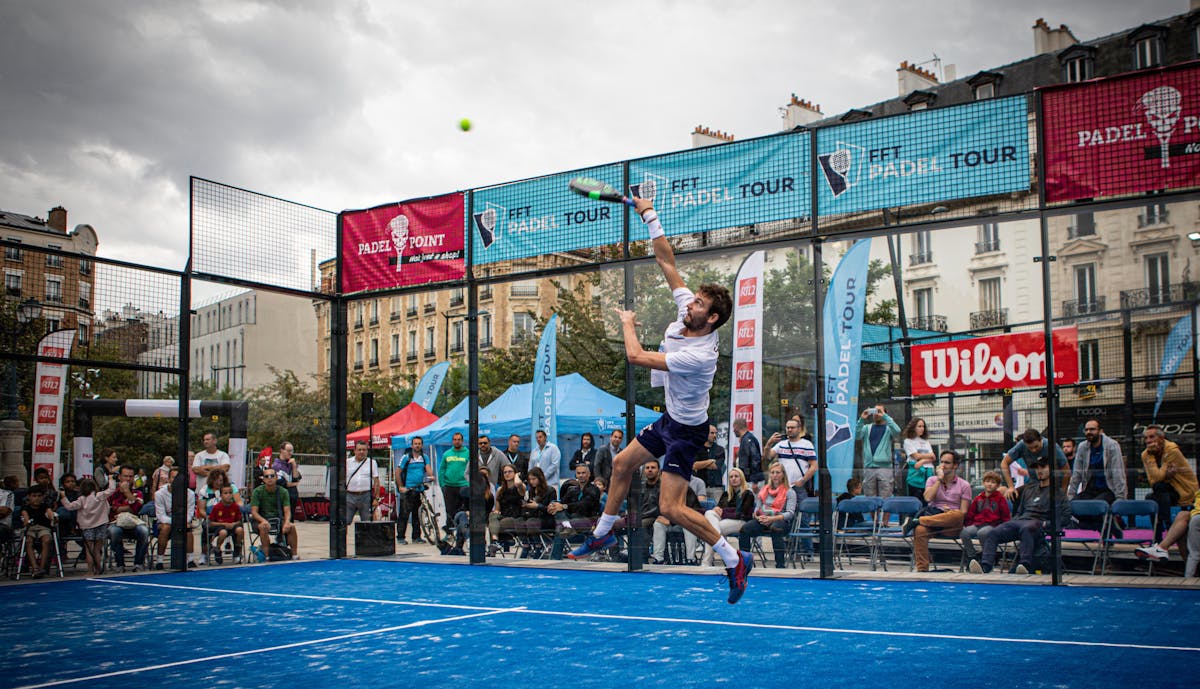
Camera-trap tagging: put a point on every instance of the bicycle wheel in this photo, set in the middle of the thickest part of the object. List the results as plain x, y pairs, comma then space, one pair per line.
429, 523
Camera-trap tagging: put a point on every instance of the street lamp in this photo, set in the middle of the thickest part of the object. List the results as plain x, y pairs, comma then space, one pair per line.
28, 311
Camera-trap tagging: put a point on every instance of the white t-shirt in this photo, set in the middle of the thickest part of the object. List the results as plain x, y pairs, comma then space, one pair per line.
204, 459
162, 505
691, 365
915, 445
794, 456
363, 472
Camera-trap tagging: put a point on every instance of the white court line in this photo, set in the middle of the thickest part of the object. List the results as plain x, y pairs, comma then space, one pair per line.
298, 644
675, 620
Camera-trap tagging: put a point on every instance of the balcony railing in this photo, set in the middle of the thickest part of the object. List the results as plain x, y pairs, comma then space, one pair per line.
429, 308
358, 366
430, 353
410, 311
456, 300
1152, 219
1077, 231
523, 291
1180, 292
53, 261
358, 324
989, 319
932, 322
485, 343
986, 246
12, 291
85, 303
54, 298
920, 258
374, 320
1077, 307
411, 356
394, 359
456, 348
485, 293
393, 316
373, 363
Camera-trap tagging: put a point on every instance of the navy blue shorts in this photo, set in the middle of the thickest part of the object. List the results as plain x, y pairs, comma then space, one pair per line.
675, 443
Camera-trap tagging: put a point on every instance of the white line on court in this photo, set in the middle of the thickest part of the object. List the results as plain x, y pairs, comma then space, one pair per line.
675, 620
206, 659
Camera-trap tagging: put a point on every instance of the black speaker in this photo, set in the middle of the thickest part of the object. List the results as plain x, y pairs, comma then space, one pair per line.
374, 539
368, 406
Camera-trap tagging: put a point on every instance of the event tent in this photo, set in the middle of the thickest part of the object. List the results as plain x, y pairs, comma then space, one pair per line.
409, 418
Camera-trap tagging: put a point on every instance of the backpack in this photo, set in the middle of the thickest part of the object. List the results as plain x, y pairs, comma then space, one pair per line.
279, 552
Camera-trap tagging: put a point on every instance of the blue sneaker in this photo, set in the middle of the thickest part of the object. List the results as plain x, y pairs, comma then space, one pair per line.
592, 545
737, 576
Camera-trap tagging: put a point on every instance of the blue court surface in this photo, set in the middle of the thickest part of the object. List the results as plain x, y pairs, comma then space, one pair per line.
326, 624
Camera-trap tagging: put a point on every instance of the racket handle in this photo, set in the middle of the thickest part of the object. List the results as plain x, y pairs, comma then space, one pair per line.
627, 201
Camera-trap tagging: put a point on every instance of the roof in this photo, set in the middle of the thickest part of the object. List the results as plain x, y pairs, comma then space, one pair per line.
25, 222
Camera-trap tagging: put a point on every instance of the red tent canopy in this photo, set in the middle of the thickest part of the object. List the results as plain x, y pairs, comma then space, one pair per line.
406, 420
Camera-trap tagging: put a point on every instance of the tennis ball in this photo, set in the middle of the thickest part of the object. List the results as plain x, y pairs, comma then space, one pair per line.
464, 124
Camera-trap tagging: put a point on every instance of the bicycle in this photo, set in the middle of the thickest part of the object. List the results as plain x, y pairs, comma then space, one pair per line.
429, 519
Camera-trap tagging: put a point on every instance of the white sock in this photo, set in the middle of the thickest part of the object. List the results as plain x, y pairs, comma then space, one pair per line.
604, 525
727, 553
160, 559
191, 557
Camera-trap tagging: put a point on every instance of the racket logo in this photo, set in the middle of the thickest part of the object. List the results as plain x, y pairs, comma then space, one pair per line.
839, 169
399, 229
837, 429
485, 223
648, 187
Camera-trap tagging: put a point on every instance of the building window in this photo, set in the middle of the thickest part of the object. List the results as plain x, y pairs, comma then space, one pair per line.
524, 288
54, 292
85, 266
456, 296
1158, 279
923, 298
1153, 214
485, 331
1155, 344
53, 322
1084, 226
54, 260
456, 337
13, 253
84, 333
922, 248
430, 350
1085, 288
1147, 52
412, 305
985, 91
12, 284
394, 356
358, 354
374, 361
374, 312
1089, 360
1077, 69
989, 238
85, 295
523, 327
989, 294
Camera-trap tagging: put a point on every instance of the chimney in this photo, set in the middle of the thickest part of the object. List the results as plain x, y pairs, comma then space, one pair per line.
949, 73
1047, 40
58, 219
703, 136
799, 112
913, 78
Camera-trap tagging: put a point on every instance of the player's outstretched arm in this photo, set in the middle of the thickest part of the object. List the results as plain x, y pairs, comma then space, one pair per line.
663, 253
633, 349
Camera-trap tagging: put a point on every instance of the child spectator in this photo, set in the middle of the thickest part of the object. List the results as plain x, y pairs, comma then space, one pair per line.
225, 520
70, 491
854, 488
989, 509
38, 520
91, 515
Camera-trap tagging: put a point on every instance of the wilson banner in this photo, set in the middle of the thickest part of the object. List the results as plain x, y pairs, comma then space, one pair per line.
1017, 360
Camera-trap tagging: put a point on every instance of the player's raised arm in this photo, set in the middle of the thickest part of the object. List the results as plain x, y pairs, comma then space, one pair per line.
663, 253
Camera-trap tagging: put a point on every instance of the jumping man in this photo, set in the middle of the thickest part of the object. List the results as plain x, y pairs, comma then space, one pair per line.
684, 366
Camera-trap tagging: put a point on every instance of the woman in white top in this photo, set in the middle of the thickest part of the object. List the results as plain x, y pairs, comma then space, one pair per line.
918, 454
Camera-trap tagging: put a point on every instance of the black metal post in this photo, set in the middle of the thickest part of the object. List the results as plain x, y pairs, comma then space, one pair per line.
338, 329
635, 539
179, 488
478, 520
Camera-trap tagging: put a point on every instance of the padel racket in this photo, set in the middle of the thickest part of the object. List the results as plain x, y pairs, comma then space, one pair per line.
597, 191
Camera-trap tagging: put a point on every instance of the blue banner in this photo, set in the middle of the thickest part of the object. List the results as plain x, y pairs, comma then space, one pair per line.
843, 315
924, 157
539, 216
544, 374
430, 385
726, 185
1178, 346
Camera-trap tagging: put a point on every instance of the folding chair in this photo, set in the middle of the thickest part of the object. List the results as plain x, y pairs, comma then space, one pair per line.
57, 552
1091, 540
1130, 510
804, 529
904, 507
864, 531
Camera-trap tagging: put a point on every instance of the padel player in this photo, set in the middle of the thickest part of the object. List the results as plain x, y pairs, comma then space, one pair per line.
684, 366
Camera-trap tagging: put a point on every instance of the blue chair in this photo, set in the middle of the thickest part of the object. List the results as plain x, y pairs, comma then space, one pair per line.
803, 531
1130, 510
1091, 540
868, 509
904, 507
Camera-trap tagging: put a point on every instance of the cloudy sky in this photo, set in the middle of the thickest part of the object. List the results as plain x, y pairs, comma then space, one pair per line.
106, 108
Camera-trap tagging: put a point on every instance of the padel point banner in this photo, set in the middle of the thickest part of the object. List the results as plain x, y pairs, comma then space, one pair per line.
409, 243
1125, 135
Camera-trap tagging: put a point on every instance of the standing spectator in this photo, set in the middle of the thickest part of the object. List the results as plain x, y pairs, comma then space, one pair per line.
797, 457
69, 491
161, 474
733, 510
492, 457
948, 494
125, 500
362, 484
919, 457
263, 463
576, 510
162, 514
1030, 523
1068, 447
776, 507
586, 454
538, 496
988, 510
289, 473
210, 458
517, 457
37, 518
877, 432
604, 456
270, 502
1172, 481
749, 454
225, 520
410, 477
1015, 464
1098, 472
91, 514
546, 456
452, 476
710, 465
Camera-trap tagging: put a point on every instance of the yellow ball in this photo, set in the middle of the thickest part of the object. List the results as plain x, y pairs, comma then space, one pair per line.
465, 124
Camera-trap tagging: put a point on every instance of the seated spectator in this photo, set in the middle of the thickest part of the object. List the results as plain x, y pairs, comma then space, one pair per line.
988, 510
271, 503
166, 526
38, 520
601, 485
1172, 481
947, 496
7, 503
462, 518
41, 477
209, 495
576, 509
854, 488
1029, 525
69, 490
124, 505
1193, 540
505, 518
776, 507
1098, 472
535, 514
1014, 466
662, 526
733, 510
91, 515
225, 520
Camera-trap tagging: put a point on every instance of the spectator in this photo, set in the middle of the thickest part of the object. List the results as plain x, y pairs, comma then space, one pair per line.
1014, 467
7, 503
13, 485
362, 484
586, 454
877, 432
108, 463
546, 456
988, 510
734, 508
662, 526
225, 520
601, 485
37, 518
209, 496
776, 507
162, 474
947, 496
91, 515
749, 454
210, 458
462, 518
505, 518
268, 503
141, 479
919, 457
1193, 540
492, 458
538, 497
517, 457
128, 502
263, 463
1172, 481
163, 505
797, 457
604, 456
710, 464
411, 475
854, 488
289, 473
576, 510
1098, 472
1031, 521
452, 475
41, 477
1068, 448
69, 486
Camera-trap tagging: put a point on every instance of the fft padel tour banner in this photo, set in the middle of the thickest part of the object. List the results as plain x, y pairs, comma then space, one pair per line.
401, 244
1123, 135
540, 216
923, 157
725, 185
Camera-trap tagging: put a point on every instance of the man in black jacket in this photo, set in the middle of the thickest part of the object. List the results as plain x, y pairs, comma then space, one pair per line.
576, 509
1030, 523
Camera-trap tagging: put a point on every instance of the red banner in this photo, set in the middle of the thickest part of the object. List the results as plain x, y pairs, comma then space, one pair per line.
993, 363
409, 243
1124, 135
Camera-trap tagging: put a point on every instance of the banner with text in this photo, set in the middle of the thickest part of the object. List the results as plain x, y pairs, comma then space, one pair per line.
544, 411
845, 303
1123, 135
924, 157
401, 244
746, 396
1177, 348
1017, 360
430, 385
48, 402
541, 216
726, 185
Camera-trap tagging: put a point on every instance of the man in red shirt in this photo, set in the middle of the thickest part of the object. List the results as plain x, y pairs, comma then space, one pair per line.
126, 499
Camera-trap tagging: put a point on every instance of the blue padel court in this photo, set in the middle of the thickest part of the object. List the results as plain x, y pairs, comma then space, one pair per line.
398, 624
